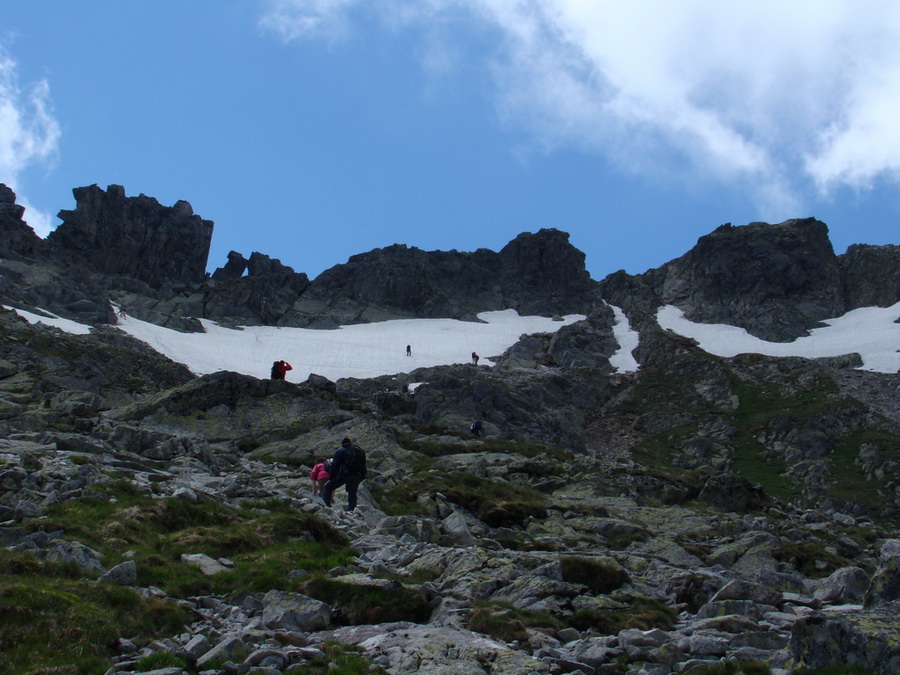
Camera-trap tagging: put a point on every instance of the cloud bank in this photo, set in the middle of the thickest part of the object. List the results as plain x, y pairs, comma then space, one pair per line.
785, 99
29, 134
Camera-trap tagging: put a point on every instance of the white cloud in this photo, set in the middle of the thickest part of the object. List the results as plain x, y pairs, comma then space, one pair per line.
776, 96
295, 19
29, 134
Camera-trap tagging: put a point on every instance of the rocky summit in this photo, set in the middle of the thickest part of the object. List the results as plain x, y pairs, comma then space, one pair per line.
693, 513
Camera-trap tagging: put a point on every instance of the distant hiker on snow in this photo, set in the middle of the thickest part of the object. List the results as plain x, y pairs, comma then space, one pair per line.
319, 476
279, 368
477, 428
347, 468
475, 358
409, 350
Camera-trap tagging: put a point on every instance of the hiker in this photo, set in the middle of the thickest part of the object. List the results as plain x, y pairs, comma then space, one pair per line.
279, 368
409, 350
475, 358
477, 428
319, 476
347, 468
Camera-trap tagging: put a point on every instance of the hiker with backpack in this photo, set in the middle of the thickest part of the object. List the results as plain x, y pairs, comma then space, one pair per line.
279, 369
347, 468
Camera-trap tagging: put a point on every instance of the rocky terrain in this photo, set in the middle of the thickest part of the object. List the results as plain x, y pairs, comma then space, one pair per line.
702, 514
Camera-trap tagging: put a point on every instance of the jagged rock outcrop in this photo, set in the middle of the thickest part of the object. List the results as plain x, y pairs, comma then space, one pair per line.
264, 296
870, 275
134, 237
16, 236
777, 281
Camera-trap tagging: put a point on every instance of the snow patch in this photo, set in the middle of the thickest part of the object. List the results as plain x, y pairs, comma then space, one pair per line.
871, 332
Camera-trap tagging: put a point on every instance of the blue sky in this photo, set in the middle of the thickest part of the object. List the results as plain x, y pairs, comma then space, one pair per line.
312, 130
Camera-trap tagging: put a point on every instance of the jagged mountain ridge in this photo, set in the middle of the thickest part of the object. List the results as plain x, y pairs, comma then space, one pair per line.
777, 281
741, 494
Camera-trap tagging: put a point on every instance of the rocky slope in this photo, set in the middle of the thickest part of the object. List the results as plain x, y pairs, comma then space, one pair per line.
699, 511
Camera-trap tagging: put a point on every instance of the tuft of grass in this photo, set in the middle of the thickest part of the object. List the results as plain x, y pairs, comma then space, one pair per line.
809, 558
342, 659
159, 660
600, 577
357, 604
503, 621
641, 612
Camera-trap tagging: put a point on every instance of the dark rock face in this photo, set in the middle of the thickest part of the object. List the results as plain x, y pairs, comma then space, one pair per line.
870, 275
265, 295
16, 236
774, 280
134, 237
535, 274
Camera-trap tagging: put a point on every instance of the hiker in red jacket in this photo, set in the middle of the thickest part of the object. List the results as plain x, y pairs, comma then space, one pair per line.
279, 368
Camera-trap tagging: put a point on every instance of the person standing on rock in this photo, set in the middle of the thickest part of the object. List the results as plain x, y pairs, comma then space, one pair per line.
409, 350
279, 369
475, 358
347, 468
319, 476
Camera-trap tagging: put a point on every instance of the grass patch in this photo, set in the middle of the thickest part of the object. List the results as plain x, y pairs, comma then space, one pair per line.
82, 618
503, 621
356, 604
159, 660
810, 558
599, 576
641, 612
497, 503
849, 482
265, 540
341, 659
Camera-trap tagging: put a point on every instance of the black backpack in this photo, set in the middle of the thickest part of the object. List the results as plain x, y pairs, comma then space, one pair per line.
355, 460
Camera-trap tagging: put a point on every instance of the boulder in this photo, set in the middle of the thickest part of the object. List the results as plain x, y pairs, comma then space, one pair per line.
885, 586
868, 638
207, 565
294, 612
843, 586
123, 574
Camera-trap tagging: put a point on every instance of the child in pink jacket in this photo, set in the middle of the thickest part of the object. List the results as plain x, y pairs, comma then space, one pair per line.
319, 475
